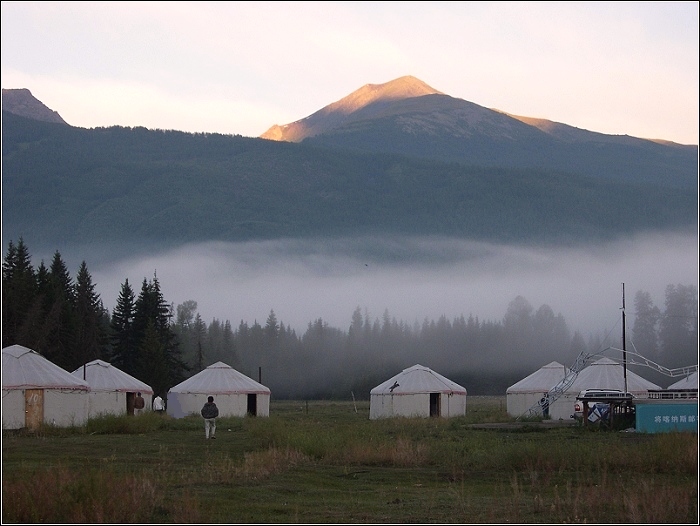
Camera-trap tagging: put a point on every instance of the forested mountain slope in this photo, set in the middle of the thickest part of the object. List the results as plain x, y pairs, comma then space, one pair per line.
408, 117
64, 186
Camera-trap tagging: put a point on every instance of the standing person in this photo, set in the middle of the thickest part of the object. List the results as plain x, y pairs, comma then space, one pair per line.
139, 404
158, 405
210, 412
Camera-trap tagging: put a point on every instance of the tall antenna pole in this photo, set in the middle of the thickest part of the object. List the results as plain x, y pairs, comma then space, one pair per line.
624, 339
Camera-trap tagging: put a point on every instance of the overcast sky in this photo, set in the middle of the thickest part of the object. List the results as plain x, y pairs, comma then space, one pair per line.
241, 67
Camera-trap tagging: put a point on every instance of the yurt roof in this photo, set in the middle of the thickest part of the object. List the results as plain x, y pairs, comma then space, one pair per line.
541, 380
220, 378
609, 374
418, 379
687, 382
103, 376
24, 368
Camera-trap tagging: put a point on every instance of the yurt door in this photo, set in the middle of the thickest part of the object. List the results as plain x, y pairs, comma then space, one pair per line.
434, 404
252, 404
33, 408
130, 397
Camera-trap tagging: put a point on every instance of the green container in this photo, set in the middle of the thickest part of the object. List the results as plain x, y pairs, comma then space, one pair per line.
662, 416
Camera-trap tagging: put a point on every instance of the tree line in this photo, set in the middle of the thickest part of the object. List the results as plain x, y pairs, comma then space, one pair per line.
161, 344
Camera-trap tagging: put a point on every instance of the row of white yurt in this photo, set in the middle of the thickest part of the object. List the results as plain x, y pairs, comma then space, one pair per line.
604, 373
36, 391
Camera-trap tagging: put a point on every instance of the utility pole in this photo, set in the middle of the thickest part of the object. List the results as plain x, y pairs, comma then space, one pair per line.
624, 339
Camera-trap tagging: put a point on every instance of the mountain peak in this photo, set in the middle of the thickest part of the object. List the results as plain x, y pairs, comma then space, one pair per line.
338, 113
402, 88
21, 102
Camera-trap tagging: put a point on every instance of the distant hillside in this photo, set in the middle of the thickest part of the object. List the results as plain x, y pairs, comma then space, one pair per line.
408, 117
112, 188
21, 102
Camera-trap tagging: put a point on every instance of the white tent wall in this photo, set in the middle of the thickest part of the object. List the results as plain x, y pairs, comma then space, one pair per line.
62, 408
114, 402
107, 403
65, 408
519, 403
415, 405
180, 405
13, 409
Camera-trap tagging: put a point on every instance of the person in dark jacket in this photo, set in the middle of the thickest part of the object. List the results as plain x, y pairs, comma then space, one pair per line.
139, 404
210, 412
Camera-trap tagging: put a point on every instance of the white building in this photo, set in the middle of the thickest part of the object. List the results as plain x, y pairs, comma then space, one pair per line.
36, 391
417, 392
604, 373
234, 393
529, 392
112, 391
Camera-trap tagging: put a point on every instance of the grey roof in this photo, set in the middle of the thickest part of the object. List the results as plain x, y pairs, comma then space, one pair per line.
103, 376
23, 368
418, 379
541, 380
687, 382
219, 378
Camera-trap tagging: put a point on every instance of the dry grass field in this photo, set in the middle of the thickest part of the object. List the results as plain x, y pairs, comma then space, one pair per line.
326, 462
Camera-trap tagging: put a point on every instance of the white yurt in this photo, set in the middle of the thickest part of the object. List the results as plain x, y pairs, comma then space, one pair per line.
687, 382
606, 373
528, 392
417, 392
36, 390
112, 391
234, 393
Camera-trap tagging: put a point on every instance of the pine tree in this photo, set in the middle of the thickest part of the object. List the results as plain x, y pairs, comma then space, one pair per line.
150, 306
90, 315
679, 326
18, 292
123, 350
200, 334
152, 366
35, 328
61, 316
646, 322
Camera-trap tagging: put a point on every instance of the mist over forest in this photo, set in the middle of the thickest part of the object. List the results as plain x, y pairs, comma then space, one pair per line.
412, 278
334, 317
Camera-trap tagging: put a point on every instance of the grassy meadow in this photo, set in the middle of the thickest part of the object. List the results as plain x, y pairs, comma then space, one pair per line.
326, 462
